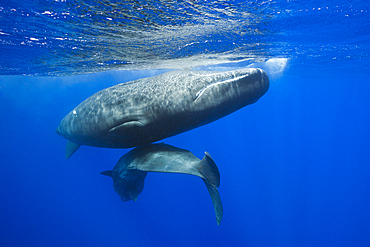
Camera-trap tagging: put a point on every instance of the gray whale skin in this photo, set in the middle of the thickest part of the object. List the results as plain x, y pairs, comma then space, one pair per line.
143, 111
130, 171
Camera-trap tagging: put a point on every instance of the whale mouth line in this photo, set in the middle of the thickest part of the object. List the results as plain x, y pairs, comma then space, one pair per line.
200, 92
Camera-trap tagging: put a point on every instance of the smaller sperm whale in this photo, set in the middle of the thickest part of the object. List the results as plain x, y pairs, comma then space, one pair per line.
130, 171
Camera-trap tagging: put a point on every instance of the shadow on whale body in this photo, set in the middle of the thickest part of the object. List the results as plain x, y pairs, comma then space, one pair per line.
130, 171
143, 111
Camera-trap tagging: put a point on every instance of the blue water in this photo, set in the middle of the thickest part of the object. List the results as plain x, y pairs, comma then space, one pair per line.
295, 166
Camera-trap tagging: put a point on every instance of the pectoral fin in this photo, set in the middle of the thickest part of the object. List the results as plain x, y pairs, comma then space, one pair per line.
125, 128
71, 148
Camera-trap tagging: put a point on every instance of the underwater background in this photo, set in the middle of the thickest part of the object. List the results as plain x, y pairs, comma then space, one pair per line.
295, 166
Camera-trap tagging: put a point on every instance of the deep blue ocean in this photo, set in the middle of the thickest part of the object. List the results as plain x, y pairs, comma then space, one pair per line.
295, 166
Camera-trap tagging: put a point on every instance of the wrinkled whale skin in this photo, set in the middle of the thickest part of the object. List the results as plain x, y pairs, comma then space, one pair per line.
140, 112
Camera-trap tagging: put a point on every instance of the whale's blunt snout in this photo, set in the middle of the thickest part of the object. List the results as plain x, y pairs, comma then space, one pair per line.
265, 81
256, 76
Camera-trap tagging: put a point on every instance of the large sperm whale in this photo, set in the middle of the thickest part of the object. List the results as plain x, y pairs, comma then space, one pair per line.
130, 171
143, 111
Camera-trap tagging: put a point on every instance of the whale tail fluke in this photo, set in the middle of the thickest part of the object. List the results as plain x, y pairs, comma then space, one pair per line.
207, 167
216, 200
107, 173
71, 148
209, 170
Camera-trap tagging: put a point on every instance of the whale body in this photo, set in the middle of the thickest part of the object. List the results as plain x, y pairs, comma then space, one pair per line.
143, 111
130, 171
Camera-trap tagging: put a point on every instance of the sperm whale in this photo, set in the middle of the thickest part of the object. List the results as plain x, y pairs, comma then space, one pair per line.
143, 111
130, 171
